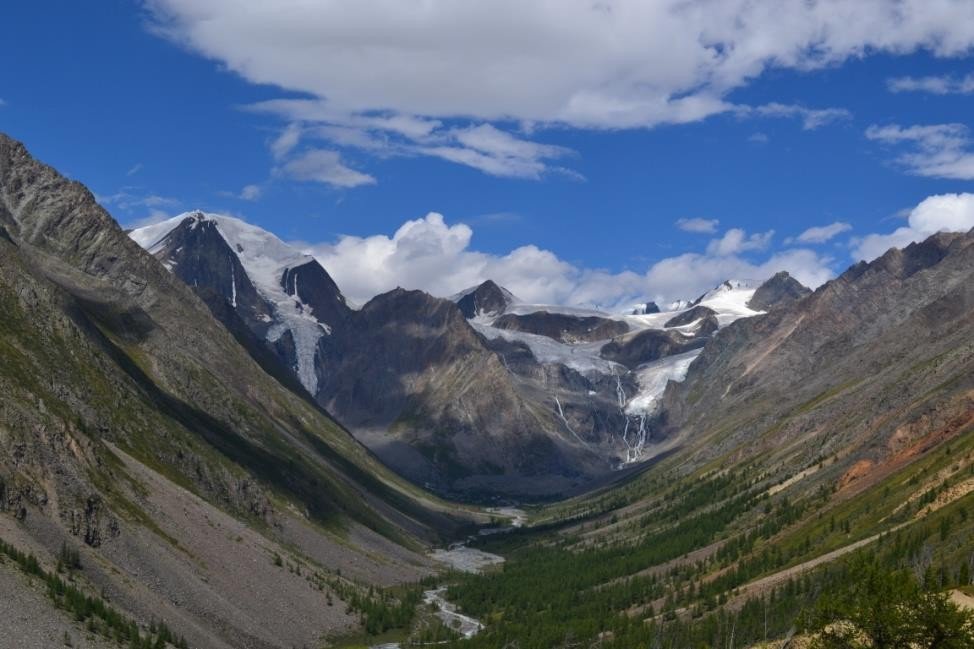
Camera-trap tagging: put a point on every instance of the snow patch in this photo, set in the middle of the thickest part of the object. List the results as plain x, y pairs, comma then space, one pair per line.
582, 358
729, 300
653, 377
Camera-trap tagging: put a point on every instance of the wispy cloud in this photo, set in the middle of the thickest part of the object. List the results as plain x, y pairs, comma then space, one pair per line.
703, 226
936, 150
482, 146
129, 198
495, 152
324, 166
495, 217
250, 192
811, 118
736, 241
154, 216
134, 169
284, 143
943, 85
247, 193
821, 233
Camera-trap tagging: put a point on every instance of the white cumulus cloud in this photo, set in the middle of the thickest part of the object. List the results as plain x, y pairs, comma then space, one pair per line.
435, 256
608, 64
385, 76
940, 213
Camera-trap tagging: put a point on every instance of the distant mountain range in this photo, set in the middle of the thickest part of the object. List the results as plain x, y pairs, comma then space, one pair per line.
480, 396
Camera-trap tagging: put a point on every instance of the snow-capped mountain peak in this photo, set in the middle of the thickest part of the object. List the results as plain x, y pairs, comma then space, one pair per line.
275, 269
730, 299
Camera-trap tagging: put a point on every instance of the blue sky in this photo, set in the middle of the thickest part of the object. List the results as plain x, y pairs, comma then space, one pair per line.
580, 148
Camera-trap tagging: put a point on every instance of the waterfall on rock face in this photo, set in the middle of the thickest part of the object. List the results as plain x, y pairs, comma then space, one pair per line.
620, 392
561, 413
233, 286
634, 448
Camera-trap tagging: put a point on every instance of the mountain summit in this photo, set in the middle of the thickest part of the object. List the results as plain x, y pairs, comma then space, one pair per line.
284, 296
780, 289
486, 299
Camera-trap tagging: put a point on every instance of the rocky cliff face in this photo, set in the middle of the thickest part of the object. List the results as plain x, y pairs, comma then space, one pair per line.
413, 372
197, 253
651, 345
487, 299
692, 315
562, 327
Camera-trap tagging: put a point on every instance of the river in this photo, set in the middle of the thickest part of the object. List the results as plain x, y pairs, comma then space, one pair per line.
466, 559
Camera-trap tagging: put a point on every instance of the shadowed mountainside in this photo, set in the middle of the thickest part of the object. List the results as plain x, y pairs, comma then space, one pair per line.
135, 427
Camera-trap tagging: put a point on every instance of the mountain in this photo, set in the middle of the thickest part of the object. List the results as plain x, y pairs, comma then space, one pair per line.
406, 372
477, 397
282, 295
646, 308
417, 383
138, 435
606, 372
781, 289
564, 328
486, 299
698, 313
880, 348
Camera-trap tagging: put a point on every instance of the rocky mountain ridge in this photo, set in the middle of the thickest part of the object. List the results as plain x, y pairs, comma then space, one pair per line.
882, 346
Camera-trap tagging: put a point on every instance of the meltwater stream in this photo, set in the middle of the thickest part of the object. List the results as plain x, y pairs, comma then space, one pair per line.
466, 559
